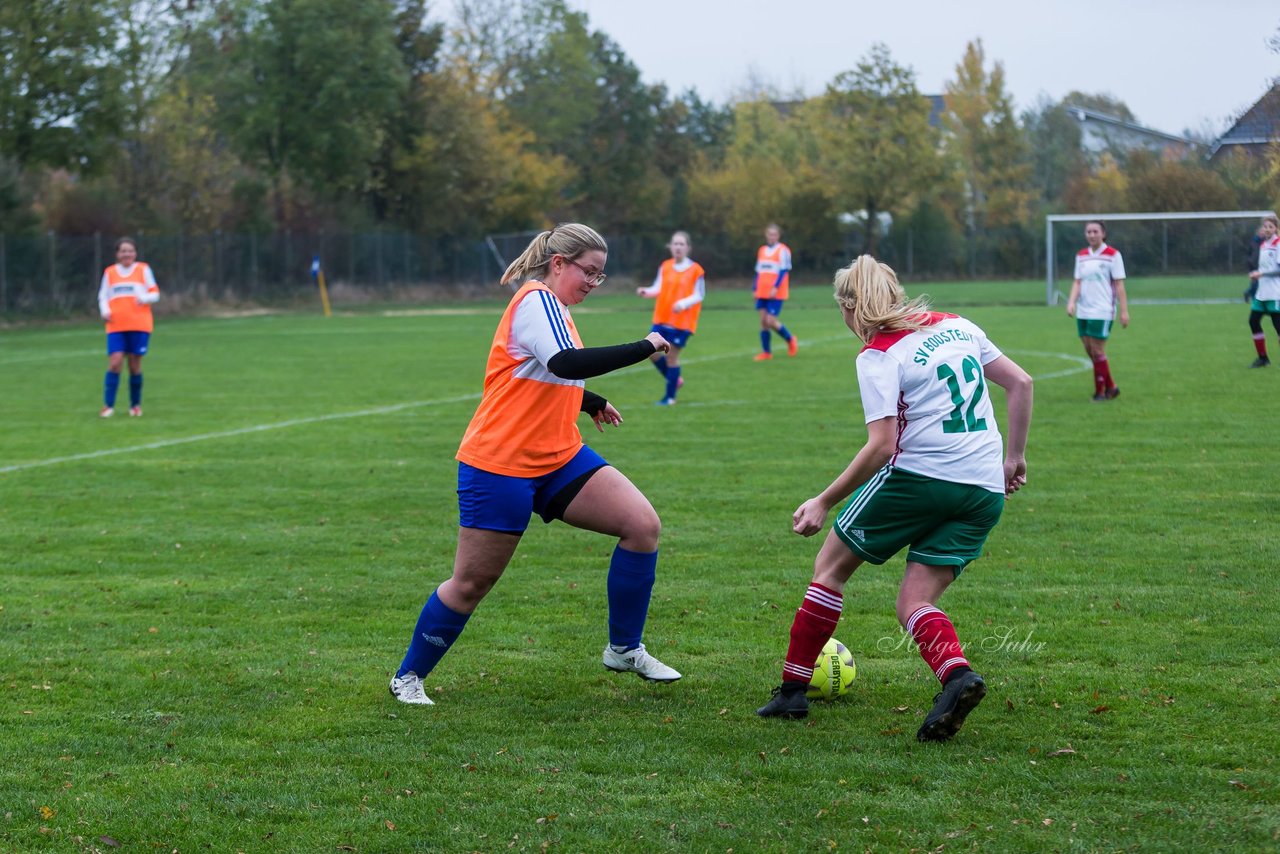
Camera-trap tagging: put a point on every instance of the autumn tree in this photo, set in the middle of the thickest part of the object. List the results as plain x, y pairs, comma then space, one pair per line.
873, 140
301, 85
60, 82
983, 136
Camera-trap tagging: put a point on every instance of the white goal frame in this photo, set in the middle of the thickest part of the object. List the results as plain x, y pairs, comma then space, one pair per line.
1051, 293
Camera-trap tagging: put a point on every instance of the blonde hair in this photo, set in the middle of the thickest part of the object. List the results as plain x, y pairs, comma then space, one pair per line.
870, 290
568, 239
687, 241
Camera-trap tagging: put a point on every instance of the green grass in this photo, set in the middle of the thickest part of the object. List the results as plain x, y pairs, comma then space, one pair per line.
195, 638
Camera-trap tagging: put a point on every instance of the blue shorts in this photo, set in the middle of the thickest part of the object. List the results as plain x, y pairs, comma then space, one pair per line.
498, 502
128, 342
675, 337
773, 306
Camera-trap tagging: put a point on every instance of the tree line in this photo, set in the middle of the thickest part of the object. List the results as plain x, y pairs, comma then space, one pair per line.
256, 116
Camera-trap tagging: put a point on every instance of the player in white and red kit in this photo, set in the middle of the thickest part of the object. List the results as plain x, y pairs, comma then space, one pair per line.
933, 477
1266, 299
1097, 290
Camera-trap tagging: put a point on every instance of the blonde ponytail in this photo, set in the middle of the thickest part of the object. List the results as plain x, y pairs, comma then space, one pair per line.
568, 239
870, 290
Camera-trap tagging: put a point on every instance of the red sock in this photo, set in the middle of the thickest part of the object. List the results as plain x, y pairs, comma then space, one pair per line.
1260, 344
937, 641
1102, 375
813, 626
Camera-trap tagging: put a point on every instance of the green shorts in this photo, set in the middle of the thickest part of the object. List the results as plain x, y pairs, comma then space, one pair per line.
1271, 306
1093, 328
943, 523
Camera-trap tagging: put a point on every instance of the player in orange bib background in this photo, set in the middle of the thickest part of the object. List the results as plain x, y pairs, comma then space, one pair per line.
679, 289
125, 297
772, 287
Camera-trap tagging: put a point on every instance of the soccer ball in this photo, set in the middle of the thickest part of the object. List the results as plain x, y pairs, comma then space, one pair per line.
833, 672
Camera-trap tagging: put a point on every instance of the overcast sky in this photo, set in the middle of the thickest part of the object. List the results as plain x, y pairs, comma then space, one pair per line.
1178, 64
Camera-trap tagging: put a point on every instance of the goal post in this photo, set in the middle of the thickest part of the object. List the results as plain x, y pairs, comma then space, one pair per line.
1216, 243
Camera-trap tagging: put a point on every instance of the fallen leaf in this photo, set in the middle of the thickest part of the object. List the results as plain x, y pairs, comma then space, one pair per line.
896, 730
763, 758
901, 709
1065, 751
47, 813
1099, 710
1047, 822
1235, 783
389, 825
108, 841
1008, 704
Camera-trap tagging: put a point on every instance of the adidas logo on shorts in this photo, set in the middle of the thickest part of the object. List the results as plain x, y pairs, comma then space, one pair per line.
859, 533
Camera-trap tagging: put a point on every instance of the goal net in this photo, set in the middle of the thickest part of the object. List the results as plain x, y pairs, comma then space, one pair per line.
1168, 257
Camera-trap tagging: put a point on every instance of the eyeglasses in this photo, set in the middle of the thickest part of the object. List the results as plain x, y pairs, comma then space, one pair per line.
591, 278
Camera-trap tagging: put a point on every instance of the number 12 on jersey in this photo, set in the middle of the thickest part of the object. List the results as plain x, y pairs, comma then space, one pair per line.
972, 373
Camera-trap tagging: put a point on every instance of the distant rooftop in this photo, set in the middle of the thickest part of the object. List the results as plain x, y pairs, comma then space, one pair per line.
1257, 128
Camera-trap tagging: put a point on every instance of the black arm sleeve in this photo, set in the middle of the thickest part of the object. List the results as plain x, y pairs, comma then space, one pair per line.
594, 361
592, 403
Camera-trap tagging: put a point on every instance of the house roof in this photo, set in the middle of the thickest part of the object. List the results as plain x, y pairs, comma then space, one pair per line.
1258, 125
1086, 114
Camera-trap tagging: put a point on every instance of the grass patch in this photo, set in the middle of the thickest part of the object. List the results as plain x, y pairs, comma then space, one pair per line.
196, 636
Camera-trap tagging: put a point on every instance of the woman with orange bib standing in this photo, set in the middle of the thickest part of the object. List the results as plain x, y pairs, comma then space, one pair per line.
679, 289
772, 287
124, 298
522, 453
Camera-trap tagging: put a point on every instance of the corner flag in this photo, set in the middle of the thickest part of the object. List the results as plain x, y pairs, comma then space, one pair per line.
317, 273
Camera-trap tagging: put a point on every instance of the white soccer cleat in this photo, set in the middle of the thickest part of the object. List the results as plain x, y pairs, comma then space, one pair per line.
639, 662
409, 689
106, 412
135, 411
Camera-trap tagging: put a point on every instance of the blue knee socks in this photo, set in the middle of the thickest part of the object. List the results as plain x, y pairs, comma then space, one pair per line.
673, 381
661, 364
110, 385
764, 340
630, 584
786, 336
135, 389
438, 627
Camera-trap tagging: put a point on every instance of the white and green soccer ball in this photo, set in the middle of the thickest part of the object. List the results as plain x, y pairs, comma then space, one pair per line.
833, 672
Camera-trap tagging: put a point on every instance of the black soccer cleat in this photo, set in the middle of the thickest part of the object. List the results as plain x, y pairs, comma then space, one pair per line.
1113, 392
958, 698
1260, 362
788, 701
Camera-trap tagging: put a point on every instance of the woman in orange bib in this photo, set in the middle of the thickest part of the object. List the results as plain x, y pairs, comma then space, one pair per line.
679, 289
522, 453
125, 297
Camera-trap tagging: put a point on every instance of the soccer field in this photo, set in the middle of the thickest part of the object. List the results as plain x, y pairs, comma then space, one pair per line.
200, 609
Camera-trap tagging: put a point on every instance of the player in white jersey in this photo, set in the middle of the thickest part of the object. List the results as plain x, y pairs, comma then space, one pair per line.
1266, 300
931, 477
1095, 293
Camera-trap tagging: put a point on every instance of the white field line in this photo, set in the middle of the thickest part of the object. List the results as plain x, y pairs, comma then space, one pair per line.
258, 428
1082, 365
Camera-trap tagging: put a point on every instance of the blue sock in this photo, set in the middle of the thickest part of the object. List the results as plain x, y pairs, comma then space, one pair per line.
764, 339
661, 364
438, 627
673, 381
110, 385
786, 336
135, 389
630, 583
